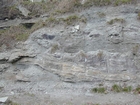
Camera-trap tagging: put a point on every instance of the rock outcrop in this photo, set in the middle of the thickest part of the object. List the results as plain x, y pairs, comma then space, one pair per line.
96, 50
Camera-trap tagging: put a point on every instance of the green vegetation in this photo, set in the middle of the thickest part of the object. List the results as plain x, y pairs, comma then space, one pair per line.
51, 21
22, 37
119, 2
74, 19
90, 3
99, 90
137, 90
102, 2
116, 20
127, 89
118, 88
71, 19
17, 33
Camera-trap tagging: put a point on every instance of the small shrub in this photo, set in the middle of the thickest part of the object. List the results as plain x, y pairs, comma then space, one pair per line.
116, 88
95, 90
119, 2
99, 90
22, 37
137, 90
71, 19
127, 89
51, 21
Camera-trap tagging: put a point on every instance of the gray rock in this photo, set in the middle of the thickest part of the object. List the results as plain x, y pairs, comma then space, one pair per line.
21, 78
15, 56
4, 56
3, 99
24, 11
3, 67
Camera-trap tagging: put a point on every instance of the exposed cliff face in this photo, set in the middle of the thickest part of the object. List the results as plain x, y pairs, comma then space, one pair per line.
69, 60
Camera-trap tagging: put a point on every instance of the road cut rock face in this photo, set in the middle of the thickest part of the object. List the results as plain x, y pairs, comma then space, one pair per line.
97, 52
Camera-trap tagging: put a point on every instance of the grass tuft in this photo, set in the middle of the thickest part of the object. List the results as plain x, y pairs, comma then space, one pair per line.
99, 90
137, 90
118, 88
116, 20
71, 19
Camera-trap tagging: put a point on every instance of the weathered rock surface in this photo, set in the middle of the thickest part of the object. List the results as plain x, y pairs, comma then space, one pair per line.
21, 78
4, 56
3, 67
97, 51
15, 56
